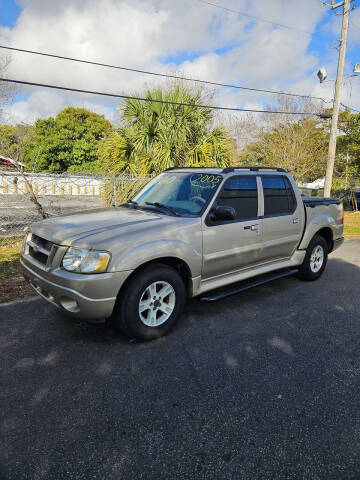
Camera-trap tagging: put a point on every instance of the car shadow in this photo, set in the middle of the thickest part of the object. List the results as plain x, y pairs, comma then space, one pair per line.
288, 293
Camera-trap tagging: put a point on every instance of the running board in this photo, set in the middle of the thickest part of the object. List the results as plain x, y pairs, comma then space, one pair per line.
227, 293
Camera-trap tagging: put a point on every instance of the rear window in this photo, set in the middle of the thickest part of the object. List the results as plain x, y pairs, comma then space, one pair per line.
291, 195
279, 197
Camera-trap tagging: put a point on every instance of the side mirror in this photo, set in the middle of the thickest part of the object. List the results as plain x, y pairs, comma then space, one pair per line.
224, 212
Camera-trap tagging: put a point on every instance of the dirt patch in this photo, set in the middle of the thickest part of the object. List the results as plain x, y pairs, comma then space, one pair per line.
12, 283
14, 288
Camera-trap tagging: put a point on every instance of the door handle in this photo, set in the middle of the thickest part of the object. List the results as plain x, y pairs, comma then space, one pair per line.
252, 227
296, 220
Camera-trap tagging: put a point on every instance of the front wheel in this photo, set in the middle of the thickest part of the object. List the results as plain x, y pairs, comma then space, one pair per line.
315, 259
151, 303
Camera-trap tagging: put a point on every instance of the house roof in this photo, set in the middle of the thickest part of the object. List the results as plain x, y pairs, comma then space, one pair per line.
9, 160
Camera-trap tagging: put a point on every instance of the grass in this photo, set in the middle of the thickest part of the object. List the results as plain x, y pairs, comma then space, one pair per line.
9, 259
12, 283
352, 224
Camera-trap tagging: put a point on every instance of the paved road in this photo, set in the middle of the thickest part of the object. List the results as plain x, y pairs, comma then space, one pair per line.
265, 385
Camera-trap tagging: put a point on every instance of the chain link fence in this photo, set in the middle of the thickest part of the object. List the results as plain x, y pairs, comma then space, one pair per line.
58, 194
346, 189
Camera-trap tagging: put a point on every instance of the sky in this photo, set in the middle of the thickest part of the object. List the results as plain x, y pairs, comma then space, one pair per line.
183, 37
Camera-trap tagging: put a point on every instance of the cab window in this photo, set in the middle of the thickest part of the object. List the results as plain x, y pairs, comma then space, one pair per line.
279, 197
241, 194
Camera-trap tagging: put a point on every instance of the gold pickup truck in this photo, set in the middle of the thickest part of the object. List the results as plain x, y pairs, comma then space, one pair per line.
189, 232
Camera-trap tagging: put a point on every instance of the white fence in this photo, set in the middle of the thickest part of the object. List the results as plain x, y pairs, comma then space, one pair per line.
59, 194
52, 184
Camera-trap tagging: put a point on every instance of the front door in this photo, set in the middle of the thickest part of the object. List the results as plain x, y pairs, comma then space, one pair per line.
233, 245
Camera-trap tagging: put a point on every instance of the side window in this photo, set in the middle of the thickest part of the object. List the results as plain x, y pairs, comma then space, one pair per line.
277, 195
291, 195
241, 194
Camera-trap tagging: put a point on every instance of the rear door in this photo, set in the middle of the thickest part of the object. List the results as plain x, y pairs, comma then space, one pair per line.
283, 220
230, 246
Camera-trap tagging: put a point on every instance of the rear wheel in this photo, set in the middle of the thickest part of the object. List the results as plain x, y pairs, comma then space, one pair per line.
315, 259
151, 303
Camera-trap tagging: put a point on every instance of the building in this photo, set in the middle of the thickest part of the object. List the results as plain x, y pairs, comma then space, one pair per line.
8, 163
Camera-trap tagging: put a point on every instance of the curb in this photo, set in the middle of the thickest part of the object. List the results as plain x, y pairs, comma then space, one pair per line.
14, 302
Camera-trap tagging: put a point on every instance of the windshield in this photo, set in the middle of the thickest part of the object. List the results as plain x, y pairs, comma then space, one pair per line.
183, 193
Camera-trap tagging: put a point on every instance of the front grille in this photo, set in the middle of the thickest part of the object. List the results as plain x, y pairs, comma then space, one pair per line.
38, 256
41, 242
39, 249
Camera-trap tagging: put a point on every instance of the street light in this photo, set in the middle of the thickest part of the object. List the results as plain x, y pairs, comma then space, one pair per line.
322, 74
357, 68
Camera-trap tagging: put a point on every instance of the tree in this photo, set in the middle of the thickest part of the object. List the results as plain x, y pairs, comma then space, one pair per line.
155, 136
70, 141
348, 149
298, 143
15, 143
117, 154
298, 147
16, 140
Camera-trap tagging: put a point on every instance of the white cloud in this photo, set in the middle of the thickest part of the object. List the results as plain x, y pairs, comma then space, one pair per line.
147, 34
46, 103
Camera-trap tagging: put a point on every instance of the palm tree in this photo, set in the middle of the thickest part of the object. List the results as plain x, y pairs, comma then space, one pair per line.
155, 136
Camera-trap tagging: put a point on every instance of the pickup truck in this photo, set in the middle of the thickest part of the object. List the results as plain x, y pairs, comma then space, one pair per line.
189, 232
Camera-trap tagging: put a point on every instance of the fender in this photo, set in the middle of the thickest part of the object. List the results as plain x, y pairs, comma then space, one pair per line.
132, 258
315, 225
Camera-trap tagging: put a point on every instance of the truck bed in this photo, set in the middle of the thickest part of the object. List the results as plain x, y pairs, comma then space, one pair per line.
317, 201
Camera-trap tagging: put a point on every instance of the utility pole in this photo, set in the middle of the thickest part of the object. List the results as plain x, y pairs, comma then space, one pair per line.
337, 97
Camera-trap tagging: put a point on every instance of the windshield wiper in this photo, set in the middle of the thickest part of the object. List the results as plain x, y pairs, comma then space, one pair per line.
163, 206
131, 204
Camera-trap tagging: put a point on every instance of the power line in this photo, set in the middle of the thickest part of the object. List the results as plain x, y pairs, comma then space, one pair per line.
167, 102
350, 21
260, 19
240, 87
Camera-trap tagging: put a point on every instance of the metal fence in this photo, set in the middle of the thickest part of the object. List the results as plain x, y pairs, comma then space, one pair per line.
344, 189
58, 194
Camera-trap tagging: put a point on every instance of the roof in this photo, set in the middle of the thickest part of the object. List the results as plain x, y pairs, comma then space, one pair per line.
229, 169
8, 161
317, 184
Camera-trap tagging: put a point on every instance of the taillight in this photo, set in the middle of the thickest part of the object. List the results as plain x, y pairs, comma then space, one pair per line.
343, 213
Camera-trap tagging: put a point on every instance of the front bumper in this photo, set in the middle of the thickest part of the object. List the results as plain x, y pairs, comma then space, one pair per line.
87, 297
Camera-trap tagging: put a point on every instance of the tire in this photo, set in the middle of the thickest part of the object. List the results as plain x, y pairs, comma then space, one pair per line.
315, 259
155, 317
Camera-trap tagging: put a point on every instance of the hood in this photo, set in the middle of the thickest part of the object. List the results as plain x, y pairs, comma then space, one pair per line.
64, 230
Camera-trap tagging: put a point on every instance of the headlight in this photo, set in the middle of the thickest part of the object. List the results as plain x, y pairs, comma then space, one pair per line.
85, 261
27, 237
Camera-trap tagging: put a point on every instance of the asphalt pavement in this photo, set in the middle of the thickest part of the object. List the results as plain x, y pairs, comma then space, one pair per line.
262, 385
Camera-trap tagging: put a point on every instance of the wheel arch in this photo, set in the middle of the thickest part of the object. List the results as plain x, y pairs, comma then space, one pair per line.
174, 262
327, 234
312, 229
